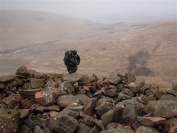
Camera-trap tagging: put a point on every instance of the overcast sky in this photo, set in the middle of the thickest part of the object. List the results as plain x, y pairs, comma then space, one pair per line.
88, 9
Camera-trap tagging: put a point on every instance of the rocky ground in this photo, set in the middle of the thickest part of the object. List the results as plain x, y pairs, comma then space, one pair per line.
33, 102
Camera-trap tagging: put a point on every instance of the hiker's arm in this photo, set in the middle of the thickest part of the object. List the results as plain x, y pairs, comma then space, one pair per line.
78, 59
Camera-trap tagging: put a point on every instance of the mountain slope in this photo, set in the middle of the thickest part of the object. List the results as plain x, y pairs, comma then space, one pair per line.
39, 40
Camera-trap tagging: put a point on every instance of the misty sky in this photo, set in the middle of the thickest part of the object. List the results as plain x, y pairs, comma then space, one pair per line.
92, 9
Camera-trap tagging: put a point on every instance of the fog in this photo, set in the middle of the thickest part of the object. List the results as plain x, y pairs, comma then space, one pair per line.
105, 11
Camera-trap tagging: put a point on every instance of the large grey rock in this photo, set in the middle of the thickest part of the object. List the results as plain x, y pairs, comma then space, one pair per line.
89, 108
22, 71
12, 101
171, 125
90, 121
130, 77
111, 92
132, 101
84, 128
95, 129
68, 112
128, 92
75, 107
83, 99
36, 83
114, 79
162, 108
122, 96
74, 77
122, 129
8, 120
37, 129
32, 121
173, 92
47, 96
103, 106
107, 117
66, 100
114, 115
139, 107
137, 85
17, 82
144, 129
151, 121
154, 89
66, 86
168, 97
63, 124
129, 113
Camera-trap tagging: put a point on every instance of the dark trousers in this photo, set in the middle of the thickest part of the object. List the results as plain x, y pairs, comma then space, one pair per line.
71, 69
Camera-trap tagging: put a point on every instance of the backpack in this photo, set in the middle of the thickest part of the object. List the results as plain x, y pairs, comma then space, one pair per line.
66, 53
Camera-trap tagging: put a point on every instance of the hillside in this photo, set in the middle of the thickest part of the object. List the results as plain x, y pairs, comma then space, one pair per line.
39, 40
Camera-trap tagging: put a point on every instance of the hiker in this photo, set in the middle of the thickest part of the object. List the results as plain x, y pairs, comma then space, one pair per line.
71, 61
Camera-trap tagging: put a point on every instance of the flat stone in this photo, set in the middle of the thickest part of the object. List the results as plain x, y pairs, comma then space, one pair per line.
173, 92
30, 93
6, 78
74, 77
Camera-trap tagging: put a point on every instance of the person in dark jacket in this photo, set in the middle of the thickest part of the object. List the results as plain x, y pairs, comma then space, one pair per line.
71, 60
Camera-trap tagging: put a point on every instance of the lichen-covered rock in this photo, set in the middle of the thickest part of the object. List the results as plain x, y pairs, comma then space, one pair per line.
8, 120
63, 124
162, 108
47, 96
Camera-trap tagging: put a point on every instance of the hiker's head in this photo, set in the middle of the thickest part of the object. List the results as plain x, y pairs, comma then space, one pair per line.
74, 52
